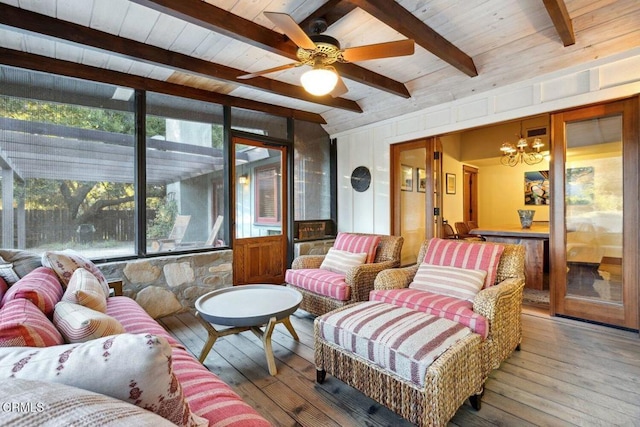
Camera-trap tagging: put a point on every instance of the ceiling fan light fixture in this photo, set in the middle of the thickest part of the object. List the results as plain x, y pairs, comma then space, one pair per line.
319, 80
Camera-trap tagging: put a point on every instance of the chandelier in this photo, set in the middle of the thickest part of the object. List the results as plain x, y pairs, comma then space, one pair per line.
522, 152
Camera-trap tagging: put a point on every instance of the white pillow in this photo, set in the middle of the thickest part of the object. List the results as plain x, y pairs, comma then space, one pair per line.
135, 368
455, 282
342, 261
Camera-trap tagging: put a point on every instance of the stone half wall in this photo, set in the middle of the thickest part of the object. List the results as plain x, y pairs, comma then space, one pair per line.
171, 284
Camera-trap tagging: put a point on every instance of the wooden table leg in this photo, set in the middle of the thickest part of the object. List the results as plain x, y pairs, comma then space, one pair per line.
268, 350
214, 334
287, 324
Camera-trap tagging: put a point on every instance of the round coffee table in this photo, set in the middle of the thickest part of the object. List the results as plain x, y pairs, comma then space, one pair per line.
248, 307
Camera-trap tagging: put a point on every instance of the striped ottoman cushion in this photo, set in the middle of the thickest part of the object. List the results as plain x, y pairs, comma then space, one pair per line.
455, 309
322, 282
398, 339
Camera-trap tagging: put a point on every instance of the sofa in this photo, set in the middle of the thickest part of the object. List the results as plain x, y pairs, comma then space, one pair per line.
346, 273
61, 325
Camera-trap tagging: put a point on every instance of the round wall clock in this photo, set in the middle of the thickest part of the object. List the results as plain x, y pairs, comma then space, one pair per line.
360, 178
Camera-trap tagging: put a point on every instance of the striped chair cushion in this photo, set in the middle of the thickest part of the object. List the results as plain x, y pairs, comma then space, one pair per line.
474, 256
22, 324
357, 244
85, 289
322, 282
78, 323
342, 261
451, 281
209, 397
444, 306
135, 320
41, 287
398, 339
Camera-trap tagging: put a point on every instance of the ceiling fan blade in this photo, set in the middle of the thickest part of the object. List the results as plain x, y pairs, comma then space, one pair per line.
380, 50
291, 29
340, 88
269, 70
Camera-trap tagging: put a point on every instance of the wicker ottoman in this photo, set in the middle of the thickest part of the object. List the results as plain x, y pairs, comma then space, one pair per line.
418, 365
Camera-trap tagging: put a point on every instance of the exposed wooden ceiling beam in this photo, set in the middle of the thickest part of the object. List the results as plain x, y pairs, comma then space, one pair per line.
42, 24
331, 12
557, 10
73, 69
219, 20
403, 21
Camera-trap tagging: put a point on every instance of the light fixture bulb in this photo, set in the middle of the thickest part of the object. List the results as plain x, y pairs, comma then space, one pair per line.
319, 80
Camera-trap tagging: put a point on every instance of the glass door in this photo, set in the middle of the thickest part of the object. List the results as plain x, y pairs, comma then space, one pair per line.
595, 223
260, 214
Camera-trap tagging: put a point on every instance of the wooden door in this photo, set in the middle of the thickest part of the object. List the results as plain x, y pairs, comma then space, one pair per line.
594, 228
260, 213
415, 214
470, 194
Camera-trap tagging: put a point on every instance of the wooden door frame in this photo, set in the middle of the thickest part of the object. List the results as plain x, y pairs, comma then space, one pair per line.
284, 196
609, 313
430, 145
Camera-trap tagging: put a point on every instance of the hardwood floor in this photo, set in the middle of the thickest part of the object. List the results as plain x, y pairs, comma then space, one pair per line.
567, 373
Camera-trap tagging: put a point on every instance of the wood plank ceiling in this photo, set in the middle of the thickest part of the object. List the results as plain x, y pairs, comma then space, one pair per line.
198, 48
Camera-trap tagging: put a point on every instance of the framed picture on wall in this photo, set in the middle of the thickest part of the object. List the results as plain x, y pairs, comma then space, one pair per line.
422, 180
407, 178
450, 182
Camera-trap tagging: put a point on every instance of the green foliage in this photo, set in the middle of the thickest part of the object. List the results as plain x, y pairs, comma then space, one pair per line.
163, 222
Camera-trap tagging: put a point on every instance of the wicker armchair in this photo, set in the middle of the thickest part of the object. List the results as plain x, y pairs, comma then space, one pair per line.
500, 304
360, 279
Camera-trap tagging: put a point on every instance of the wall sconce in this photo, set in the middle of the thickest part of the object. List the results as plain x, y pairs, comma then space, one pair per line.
243, 179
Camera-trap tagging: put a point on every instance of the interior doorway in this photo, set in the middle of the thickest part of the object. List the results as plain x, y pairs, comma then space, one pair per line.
470, 194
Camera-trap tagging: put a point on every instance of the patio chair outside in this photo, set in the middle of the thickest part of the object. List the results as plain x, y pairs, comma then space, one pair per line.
175, 237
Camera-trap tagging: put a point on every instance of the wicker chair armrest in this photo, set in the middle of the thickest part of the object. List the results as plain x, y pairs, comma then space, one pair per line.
503, 300
307, 261
395, 278
361, 278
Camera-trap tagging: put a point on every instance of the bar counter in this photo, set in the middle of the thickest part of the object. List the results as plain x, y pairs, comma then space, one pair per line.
536, 243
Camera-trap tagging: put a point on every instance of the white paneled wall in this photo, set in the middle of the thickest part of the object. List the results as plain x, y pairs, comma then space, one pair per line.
601, 80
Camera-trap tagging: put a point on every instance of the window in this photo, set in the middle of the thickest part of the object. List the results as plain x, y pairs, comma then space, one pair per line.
185, 171
267, 195
68, 164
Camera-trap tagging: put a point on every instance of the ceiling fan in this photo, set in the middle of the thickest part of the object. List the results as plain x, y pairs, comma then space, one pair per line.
320, 51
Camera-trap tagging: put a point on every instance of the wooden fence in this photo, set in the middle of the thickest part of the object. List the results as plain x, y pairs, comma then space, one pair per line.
56, 225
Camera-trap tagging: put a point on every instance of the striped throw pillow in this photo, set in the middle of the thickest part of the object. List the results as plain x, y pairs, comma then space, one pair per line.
22, 324
450, 281
85, 289
78, 324
342, 261
473, 256
41, 287
356, 243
